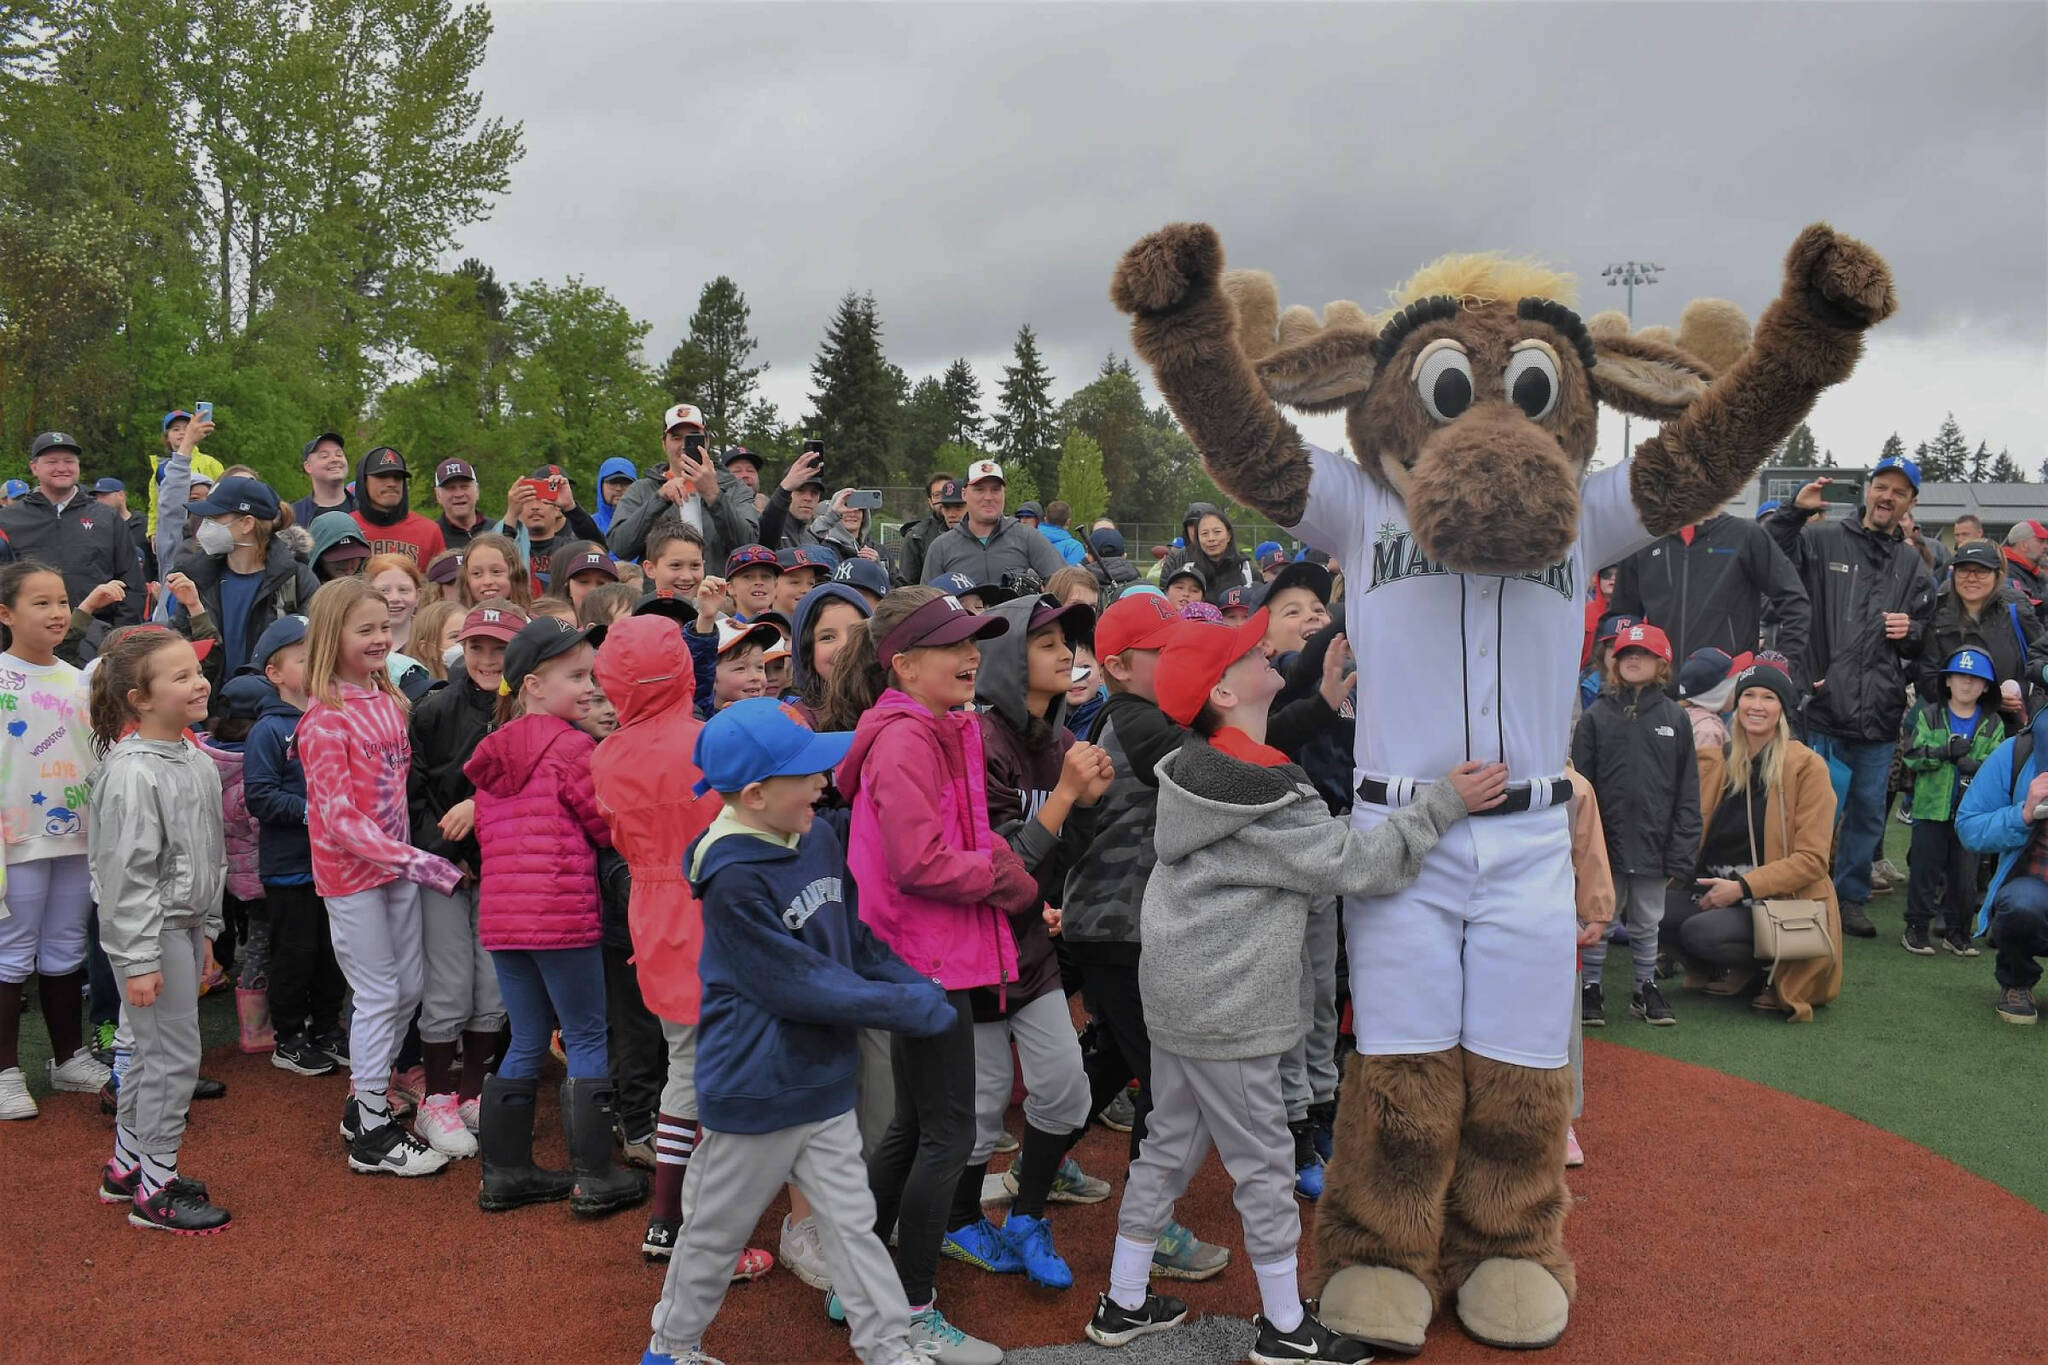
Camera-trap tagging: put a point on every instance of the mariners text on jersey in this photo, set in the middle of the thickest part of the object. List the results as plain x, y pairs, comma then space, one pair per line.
1396, 555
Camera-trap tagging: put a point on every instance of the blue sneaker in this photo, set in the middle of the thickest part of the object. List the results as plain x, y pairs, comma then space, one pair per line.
650, 1356
983, 1244
1030, 1241
1308, 1180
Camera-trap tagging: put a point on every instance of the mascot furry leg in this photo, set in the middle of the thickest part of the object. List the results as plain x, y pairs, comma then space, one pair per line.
1467, 525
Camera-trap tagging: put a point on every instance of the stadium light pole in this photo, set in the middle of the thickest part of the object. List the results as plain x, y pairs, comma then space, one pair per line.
1629, 274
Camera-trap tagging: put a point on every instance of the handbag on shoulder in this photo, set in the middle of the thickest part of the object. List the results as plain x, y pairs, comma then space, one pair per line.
1785, 930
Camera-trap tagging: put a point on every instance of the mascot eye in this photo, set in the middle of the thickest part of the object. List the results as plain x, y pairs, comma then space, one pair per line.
1531, 381
1443, 378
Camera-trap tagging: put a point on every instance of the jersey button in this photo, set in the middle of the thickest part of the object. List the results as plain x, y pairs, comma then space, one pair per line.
1486, 710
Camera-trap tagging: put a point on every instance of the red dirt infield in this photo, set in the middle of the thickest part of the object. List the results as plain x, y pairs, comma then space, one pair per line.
1717, 1220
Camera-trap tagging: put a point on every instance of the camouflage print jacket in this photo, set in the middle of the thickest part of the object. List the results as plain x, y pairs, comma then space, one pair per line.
1106, 885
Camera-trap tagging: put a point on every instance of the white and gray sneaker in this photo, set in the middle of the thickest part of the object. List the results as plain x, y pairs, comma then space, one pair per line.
80, 1073
391, 1149
803, 1253
15, 1101
439, 1122
940, 1341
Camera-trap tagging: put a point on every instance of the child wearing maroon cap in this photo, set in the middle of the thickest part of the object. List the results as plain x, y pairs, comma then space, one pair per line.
1247, 850
1635, 746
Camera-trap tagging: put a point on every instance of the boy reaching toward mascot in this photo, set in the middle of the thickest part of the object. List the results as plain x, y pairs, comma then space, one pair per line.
1470, 525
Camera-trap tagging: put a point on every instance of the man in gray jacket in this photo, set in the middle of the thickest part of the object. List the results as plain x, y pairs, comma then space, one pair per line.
1247, 850
986, 545
697, 489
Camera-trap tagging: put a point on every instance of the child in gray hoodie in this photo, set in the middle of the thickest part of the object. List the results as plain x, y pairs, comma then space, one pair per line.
1247, 849
159, 861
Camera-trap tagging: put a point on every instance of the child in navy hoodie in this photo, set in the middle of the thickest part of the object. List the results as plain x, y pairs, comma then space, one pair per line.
790, 974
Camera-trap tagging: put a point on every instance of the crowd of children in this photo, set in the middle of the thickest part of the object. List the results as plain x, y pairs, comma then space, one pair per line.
799, 876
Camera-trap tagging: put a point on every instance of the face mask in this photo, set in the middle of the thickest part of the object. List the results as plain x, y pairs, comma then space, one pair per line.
214, 538
451, 656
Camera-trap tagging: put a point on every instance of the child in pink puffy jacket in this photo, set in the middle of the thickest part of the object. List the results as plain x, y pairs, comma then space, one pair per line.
235, 709
539, 828
938, 886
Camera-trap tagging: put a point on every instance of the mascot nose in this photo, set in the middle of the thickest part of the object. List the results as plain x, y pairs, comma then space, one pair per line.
1494, 493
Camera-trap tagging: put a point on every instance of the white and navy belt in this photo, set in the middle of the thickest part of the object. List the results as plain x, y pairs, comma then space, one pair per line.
1541, 794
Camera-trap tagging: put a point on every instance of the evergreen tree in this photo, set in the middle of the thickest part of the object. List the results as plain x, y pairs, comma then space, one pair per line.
963, 402
709, 366
1137, 451
1081, 483
1023, 427
1799, 451
1894, 448
927, 425
2005, 469
1116, 364
1980, 463
1948, 455
854, 403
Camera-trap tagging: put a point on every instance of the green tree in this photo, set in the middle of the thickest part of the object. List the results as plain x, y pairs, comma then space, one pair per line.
1081, 483
1893, 449
2005, 469
963, 403
853, 403
579, 386
1140, 448
763, 431
709, 366
1948, 455
458, 405
954, 457
927, 425
1979, 469
1800, 450
1023, 429
1021, 485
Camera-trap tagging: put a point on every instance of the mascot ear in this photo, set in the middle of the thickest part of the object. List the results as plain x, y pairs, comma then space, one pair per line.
1308, 365
1646, 378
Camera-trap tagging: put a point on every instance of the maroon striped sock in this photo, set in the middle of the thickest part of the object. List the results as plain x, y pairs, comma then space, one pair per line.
674, 1139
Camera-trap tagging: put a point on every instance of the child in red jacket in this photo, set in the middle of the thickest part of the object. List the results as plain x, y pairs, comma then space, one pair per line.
539, 829
645, 778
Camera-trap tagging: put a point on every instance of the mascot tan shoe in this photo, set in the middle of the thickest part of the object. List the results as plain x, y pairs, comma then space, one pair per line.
1514, 1305
1385, 1308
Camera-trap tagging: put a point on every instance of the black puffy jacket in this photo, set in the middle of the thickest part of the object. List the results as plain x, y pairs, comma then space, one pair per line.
1635, 746
446, 726
1854, 576
1720, 591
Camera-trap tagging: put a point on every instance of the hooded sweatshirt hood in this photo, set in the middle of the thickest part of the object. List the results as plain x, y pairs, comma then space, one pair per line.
1206, 797
617, 467
504, 763
1005, 668
329, 529
807, 611
369, 511
646, 671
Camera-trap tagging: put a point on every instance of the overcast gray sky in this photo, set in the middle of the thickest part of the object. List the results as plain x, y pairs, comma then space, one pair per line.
979, 166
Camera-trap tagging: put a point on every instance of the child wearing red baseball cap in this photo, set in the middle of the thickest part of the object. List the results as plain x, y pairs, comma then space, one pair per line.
1635, 746
1246, 850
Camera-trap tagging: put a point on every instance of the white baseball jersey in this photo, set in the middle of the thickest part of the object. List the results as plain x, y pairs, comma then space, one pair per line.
1457, 666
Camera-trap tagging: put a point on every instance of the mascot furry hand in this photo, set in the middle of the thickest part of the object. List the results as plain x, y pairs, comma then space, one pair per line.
1467, 528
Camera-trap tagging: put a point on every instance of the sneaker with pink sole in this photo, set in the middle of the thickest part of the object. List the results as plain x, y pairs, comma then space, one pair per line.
1574, 1155
439, 1125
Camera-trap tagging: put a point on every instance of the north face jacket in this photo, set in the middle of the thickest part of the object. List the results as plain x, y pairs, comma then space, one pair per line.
1722, 591
1853, 576
539, 827
1636, 747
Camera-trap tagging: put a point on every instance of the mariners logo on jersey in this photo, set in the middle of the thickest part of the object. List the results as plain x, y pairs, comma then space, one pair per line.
1396, 555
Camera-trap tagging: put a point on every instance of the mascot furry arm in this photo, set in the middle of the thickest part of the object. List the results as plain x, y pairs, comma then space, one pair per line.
1493, 478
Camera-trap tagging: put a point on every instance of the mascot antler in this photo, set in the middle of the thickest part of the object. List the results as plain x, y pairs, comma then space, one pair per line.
1315, 366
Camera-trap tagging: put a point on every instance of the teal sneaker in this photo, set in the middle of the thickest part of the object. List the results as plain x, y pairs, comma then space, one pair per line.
1070, 1185
1180, 1255
1030, 1241
982, 1244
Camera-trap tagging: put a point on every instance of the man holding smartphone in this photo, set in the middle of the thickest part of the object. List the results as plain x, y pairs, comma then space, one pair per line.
696, 488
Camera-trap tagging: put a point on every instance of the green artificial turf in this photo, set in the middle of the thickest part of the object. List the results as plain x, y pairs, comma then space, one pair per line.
1912, 1046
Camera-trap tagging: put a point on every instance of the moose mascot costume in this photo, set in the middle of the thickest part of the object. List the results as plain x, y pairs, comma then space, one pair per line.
1468, 526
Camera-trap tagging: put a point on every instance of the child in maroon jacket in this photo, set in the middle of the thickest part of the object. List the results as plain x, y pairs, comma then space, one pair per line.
539, 827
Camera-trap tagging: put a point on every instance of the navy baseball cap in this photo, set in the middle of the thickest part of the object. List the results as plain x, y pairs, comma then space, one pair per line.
735, 454
1107, 541
238, 496
245, 694
864, 574
1901, 465
1031, 510
954, 583
306, 451
55, 440
950, 494
1242, 598
1704, 670
757, 738
109, 486
1611, 626
1971, 663
747, 556
282, 633
808, 557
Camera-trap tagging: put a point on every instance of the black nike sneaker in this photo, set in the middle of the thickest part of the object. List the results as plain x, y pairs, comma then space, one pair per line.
1116, 1325
1309, 1344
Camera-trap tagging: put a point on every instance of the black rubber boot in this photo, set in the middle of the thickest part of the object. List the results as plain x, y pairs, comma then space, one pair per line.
602, 1186
505, 1143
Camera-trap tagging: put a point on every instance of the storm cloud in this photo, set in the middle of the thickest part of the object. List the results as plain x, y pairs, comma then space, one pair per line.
981, 166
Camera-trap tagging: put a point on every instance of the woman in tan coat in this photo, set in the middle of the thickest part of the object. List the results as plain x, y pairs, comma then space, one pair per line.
1766, 794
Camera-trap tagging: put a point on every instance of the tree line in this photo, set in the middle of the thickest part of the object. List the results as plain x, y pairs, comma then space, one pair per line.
1946, 457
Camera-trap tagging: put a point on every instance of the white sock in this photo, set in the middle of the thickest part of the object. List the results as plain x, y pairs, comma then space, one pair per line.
1279, 1293
1130, 1272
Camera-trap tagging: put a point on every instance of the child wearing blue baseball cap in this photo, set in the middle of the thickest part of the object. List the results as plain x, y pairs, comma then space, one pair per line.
1950, 741
790, 974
